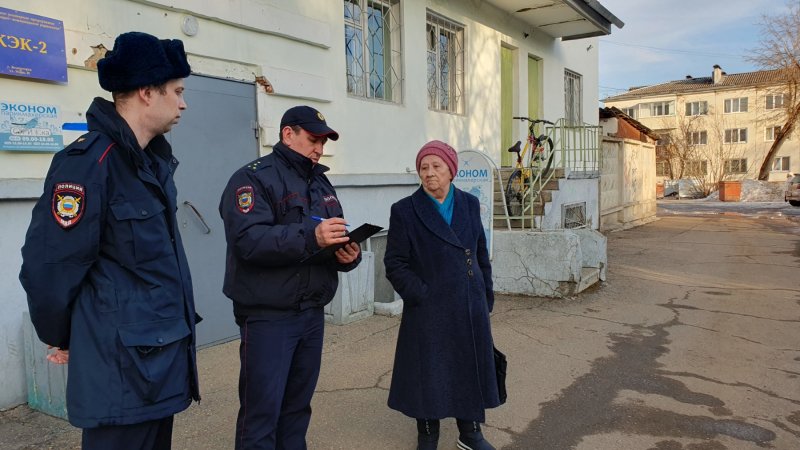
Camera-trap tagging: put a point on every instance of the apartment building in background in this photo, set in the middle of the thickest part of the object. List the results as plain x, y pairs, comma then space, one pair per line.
715, 128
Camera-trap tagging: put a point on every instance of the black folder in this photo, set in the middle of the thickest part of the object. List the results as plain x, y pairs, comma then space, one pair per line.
358, 235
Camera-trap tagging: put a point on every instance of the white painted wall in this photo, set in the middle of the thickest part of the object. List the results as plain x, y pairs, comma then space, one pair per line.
572, 191
299, 47
627, 183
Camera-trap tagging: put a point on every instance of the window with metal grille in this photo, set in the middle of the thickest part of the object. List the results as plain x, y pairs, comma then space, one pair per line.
573, 97
445, 42
372, 44
573, 215
736, 135
738, 165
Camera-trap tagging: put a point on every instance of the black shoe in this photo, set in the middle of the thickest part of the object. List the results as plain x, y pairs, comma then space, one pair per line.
473, 441
427, 441
470, 436
428, 434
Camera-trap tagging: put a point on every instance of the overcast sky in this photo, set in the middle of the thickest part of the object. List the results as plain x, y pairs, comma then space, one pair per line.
665, 40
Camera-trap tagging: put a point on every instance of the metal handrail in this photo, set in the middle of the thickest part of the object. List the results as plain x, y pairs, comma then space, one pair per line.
576, 150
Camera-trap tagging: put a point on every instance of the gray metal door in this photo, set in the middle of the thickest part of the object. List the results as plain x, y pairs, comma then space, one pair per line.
216, 136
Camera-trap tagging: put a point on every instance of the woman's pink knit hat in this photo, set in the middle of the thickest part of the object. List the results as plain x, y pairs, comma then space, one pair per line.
441, 150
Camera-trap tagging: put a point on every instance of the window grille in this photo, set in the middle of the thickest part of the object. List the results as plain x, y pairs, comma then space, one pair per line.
573, 215
573, 97
372, 38
445, 49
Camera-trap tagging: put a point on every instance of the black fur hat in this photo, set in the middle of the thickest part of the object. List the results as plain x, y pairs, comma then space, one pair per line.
140, 59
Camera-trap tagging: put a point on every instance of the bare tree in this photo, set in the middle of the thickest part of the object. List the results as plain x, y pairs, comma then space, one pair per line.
779, 49
724, 159
675, 146
678, 148
696, 150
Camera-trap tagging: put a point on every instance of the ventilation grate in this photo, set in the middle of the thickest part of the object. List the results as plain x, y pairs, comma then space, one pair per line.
573, 215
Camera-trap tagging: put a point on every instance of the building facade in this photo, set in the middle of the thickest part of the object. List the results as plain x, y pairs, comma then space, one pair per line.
389, 75
716, 128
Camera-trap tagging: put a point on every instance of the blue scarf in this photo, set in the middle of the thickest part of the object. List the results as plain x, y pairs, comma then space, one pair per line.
446, 207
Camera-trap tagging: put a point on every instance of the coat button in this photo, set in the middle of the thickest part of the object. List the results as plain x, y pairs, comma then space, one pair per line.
470, 272
160, 340
144, 212
468, 252
469, 261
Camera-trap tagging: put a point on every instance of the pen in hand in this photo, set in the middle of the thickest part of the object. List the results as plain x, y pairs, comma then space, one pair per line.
320, 219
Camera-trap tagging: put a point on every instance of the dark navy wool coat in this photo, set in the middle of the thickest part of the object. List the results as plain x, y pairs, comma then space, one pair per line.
444, 364
111, 281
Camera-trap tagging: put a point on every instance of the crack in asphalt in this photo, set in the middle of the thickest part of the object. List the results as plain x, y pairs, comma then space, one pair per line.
694, 308
737, 384
588, 406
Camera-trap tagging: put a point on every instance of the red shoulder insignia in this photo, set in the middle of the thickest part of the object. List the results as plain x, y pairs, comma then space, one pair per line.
68, 204
245, 199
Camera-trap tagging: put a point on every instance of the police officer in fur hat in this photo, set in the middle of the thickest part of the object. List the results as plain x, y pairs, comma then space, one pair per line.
103, 264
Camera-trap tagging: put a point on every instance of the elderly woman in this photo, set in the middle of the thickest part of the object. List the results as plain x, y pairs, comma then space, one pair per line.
437, 260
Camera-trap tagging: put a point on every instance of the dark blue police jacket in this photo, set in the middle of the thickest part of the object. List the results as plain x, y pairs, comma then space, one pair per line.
107, 277
267, 208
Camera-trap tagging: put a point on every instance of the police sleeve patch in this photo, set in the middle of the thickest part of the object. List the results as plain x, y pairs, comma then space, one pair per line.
245, 199
68, 204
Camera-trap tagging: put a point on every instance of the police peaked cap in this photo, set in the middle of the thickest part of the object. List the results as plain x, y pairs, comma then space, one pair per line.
140, 59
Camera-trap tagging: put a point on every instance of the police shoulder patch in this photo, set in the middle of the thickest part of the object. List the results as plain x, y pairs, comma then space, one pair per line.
69, 201
245, 200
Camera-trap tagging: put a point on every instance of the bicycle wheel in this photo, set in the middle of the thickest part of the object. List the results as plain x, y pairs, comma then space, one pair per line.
515, 189
552, 154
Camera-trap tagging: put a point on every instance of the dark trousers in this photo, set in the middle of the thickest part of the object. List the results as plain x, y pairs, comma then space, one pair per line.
152, 435
280, 360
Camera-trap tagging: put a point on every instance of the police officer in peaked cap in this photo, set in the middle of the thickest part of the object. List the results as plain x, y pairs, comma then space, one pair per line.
278, 211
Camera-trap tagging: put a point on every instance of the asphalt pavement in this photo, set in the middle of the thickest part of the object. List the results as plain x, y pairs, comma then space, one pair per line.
692, 343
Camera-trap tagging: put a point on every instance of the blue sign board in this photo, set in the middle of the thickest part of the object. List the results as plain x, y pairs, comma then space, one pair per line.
30, 127
32, 46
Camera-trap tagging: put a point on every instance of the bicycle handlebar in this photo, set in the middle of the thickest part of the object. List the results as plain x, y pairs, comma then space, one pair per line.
534, 120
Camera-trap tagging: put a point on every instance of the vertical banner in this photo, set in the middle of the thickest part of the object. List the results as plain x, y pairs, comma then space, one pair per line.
32, 46
476, 173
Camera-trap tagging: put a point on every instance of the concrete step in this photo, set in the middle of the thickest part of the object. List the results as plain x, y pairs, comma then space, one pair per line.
589, 276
